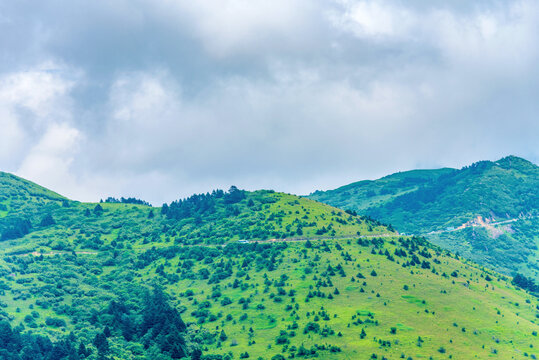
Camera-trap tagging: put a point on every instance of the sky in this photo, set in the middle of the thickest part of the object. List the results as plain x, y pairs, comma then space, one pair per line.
164, 98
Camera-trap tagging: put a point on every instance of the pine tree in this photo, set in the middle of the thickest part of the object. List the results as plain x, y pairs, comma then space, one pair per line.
223, 336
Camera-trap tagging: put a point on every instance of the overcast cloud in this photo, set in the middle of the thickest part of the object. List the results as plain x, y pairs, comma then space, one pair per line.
163, 98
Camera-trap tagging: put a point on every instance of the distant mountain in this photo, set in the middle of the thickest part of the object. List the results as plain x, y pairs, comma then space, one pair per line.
240, 275
474, 198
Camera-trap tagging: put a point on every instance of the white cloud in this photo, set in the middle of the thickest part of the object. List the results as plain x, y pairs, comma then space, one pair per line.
38, 109
49, 160
11, 136
147, 119
37, 90
240, 127
500, 42
239, 27
375, 19
500, 38
28, 101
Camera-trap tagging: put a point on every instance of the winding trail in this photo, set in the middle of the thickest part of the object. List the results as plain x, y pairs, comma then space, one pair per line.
268, 241
476, 222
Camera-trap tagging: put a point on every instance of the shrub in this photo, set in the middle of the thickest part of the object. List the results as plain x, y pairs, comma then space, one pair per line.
311, 327
55, 322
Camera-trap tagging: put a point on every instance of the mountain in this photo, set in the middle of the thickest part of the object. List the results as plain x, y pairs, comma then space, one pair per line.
486, 211
20, 196
236, 275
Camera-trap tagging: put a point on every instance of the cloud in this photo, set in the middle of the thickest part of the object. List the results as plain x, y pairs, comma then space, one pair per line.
49, 160
28, 101
376, 20
499, 34
165, 98
38, 140
239, 27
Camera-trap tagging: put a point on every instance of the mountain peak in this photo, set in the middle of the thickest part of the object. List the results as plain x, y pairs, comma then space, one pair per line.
513, 161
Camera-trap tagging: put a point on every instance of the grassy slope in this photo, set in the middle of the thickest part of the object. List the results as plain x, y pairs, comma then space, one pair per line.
92, 280
271, 215
20, 196
121, 247
430, 200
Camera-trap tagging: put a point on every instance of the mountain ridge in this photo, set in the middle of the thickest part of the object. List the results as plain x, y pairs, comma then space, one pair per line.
444, 199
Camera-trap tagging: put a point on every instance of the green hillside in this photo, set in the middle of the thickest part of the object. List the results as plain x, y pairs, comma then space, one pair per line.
366, 194
19, 196
236, 274
425, 201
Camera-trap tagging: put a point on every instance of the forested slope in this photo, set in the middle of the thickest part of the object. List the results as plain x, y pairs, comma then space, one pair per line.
443, 200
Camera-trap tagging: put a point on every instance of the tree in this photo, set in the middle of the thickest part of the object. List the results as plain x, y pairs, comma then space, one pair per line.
47, 220
98, 210
234, 195
196, 354
16, 228
164, 209
223, 336
162, 325
83, 352
106, 332
525, 283
102, 344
